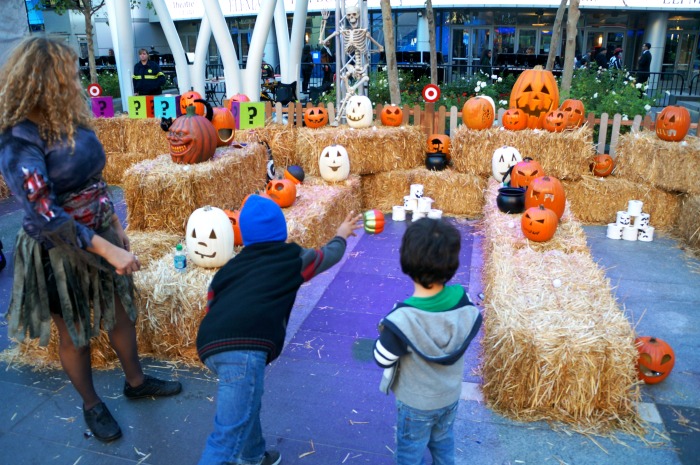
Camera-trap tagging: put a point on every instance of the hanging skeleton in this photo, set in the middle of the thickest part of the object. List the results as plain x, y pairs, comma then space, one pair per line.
356, 51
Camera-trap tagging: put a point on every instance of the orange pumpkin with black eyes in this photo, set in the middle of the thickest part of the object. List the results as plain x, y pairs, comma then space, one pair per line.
233, 218
391, 115
225, 125
575, 113
524, 172
282, 191
539, 224
547, 191
554, 121
192, 138
673, 123
188, 99
535, 92
602, 165
514, 119
656, 359
315, 117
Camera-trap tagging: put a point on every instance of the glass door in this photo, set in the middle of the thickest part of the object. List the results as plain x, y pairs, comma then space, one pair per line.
481, 43
685, 55
459, 52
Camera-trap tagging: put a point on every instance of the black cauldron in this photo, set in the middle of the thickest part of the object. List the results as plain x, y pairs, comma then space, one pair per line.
435, 161
511, 199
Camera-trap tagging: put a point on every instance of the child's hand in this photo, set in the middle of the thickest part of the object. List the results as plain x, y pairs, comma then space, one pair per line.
349, 225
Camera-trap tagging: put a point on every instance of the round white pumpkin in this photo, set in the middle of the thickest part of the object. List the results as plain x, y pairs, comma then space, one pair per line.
334, 163
209, 237
503, 158
358, 112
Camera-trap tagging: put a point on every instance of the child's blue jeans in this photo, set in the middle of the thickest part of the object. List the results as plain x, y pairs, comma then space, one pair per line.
418, 429
237, 437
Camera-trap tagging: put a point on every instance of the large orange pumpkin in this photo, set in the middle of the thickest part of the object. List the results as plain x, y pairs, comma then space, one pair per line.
188, 99
656, 359
673, 123
555, 121
535, 92
547, 191
391, 115
315, 117
192, 138
539, 224
478, 113
602, 165
574, 111
514, 119
235, 224
225, 125
524, 172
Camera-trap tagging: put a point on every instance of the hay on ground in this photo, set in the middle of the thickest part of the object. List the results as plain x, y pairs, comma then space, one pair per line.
687, 225
371, 150
565, 155
643, 157
160, 195
281, 139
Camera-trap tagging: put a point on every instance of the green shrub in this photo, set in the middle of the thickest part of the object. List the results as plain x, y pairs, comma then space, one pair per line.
108, 80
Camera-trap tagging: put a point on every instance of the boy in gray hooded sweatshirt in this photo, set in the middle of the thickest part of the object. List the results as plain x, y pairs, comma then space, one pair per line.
422, 343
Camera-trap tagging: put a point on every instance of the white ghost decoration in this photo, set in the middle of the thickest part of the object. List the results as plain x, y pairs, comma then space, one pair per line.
358, 112
334, 163
209, 237
503, 158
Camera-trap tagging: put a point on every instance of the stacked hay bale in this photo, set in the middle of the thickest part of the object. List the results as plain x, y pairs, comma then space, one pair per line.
4, 190
556, 346
280, 137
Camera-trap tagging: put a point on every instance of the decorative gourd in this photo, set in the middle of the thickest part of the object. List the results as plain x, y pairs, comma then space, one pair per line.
535, 92
315, 117
555, 121
334, 163
539, 223
575, 113
373, 221
656, 359
514, 119
224, 124
294, 173
673, 123
503, 158
358, 112
547, 191
282, 191
524, 172
391, 115
209, 237
192, 138
188, 99
233, 216
602, 165
438, 143
478, 113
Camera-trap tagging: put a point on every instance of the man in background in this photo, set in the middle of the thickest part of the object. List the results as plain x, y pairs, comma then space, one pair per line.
644, 64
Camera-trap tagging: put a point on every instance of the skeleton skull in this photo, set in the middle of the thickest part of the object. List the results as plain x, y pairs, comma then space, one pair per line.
352, 13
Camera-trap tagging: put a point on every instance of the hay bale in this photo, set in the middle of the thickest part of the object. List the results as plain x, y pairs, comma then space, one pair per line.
160, 195
456, 194
280, 137
124, 134
151, 245
565, 155
372, 150
4, 189
643, 157
119, 162
597, 200
553, 353
687, 225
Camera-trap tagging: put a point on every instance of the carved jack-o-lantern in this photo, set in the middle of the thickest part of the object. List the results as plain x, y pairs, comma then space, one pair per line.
656, 359
391, 115
438, 143
478, 113
555, 121
209, 237
282, 191
316, 117
233, 216
602, 165
188, 99
503, 158
575, 113
673, 123
192, 138
225, 126
358, 112
514, 119
547, 191
524, 172
539, 224
334, 163
535, 92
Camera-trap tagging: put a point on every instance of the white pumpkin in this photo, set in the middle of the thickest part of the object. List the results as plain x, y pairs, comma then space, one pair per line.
209, 237
503, 158
334, 163
358, 112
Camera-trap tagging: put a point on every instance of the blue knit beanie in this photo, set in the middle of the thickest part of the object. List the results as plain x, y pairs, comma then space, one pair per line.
262, 220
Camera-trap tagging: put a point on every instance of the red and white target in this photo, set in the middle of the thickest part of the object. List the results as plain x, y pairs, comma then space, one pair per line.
431, 93
94, 90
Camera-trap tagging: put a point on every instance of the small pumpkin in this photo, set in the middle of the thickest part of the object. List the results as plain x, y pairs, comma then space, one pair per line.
438, 143
233, 216
539, 223
555, 121
478, 113
391, 115
282, 191
225, 126
239, 98
188, 99
315, 117
547, 191
575, 113
602, 165
373, 221
209, 237
524, 172
535, 92
359, 112
673, 123
192, 138
294, 173
514, 119
656, 359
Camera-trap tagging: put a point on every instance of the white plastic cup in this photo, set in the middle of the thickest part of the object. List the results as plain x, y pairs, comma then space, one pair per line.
425, 204
398, 213
409, 203
417, 215
634, 207
629, 233
642, 221
416, 191
435, 214
614, 231
645, 234
623, 218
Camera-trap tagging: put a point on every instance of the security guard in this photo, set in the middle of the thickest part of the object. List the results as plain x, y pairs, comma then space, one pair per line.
148, 78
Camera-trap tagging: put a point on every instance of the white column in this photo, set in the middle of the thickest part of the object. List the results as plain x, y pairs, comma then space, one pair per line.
422, 38
171, 35
222, 37
655, 34
122, 32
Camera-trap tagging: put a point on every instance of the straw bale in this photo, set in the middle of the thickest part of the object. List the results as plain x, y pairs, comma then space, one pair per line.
372, 150
280, 137
110, 131
320, 208
4, 190
597, 200
456, 194
565, 155
124, 134
160, 195
643, 157
151, 245
118, 162
687, 225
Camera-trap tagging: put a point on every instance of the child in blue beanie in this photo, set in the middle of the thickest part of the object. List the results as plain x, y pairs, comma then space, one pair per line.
249, 302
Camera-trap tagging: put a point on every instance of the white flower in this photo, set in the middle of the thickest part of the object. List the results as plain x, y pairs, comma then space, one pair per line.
616, 102
625, 117
500, 79
493, 76
477, 89
668, 93
638, 85
595, 95
647, 107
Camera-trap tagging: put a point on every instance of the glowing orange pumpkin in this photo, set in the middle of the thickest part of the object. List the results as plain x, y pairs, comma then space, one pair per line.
535, 92
316, 117
225, 126
514, 119
673, 123
188, 99
602, 165
391, 115
477, 113
547, 191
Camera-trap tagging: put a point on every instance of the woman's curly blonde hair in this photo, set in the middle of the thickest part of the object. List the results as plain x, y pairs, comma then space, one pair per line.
42, 74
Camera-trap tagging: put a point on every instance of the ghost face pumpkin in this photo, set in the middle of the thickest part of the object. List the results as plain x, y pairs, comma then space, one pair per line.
503, 159
359, 112
209, 237
334, 163
282, 191
656, 359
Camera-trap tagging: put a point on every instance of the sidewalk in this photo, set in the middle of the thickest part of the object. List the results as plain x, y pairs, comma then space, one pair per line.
322, 404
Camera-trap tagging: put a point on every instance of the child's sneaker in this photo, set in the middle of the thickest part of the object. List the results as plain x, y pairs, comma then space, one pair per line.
271, 457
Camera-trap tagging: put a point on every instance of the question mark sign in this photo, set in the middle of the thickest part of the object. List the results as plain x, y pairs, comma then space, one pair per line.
165, 105
137, 106
252, 113
103, 106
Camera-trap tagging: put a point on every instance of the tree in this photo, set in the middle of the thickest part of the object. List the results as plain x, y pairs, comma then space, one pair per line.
390, 50
431, 41
570, 50
556, 35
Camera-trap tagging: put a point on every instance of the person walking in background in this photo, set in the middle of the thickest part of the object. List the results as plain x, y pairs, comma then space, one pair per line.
585, 60
616, 59
72, 259
148, 78
422, 342
485, 62
644, 64
246, 320
601, 58
307, 67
